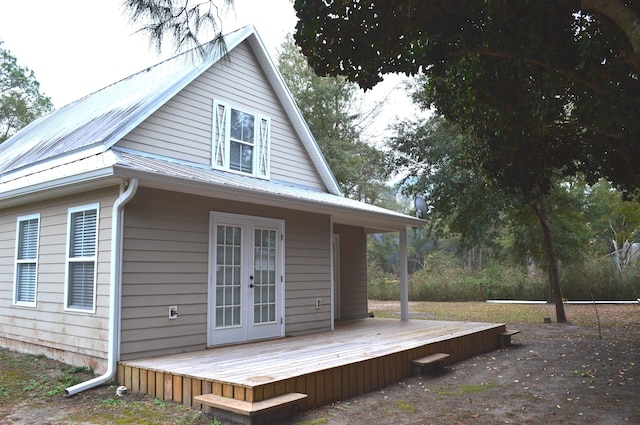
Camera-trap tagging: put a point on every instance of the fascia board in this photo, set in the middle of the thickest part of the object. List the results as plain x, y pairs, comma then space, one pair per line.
96, 179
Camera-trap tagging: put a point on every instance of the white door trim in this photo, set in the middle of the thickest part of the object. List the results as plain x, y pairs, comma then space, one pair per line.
245, 331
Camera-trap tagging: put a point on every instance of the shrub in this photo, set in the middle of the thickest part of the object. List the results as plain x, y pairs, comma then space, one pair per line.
382, 285
444, 279
599, 279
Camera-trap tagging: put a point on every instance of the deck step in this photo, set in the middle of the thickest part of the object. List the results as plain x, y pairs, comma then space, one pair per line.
250, 413
428, 363
505, 337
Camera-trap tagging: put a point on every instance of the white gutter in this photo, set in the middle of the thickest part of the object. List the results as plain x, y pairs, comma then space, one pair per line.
113, 354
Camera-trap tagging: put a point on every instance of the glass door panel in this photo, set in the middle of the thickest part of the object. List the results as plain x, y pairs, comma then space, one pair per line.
264, 270
228, 310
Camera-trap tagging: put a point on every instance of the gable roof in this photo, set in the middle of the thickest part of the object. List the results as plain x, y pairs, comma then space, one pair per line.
73, 148
94, 123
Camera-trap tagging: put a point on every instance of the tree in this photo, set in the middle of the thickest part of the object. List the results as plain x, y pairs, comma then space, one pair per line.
186, 23
615, 219
431, 156
20, 99
332, 107
564, 74
436, 160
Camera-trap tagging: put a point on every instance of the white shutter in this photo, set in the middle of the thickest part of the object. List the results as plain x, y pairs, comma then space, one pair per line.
221, 125
263, 147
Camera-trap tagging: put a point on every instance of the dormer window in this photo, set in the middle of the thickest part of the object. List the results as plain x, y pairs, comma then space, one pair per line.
240, 141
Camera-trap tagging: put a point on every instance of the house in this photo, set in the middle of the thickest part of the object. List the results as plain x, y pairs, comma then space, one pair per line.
185, 207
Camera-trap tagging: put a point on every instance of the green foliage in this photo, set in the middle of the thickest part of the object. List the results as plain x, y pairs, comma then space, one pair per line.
597, 278
20, 99
382, 285
434, 160
511, 283
444, 280
16, 380
544, 86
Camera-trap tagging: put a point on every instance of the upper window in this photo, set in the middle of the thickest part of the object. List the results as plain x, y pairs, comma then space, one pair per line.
26, 272
240, 141
81, 258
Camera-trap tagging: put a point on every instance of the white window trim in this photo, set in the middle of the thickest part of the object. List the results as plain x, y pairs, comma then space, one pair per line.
34, 261
221, 141
93, 258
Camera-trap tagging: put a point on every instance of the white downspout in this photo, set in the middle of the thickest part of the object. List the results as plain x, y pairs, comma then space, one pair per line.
113, 353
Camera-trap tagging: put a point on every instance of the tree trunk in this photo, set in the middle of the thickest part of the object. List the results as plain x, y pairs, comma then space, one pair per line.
554, 277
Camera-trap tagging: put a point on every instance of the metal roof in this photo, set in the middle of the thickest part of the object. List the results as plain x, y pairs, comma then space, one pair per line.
74, 147
166, 171
169, 174
94, 123
98, 119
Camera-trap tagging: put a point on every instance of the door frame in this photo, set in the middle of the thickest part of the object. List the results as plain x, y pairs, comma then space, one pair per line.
216, 218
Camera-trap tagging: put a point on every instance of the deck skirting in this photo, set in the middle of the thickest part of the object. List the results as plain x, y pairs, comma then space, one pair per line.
323, 383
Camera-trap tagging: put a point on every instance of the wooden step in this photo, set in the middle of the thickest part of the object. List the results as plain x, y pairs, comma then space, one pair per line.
505, 337
428, 363
250, 413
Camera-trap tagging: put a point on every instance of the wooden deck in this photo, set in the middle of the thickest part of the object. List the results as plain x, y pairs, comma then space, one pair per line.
356, 358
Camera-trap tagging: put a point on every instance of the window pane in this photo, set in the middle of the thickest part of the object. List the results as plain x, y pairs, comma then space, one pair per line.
241, 157
26, 283
81, 275
28, 239
83, 234
242, 126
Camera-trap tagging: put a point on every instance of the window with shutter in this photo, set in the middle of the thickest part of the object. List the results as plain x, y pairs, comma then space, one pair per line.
81, 258
26, 272
240, 141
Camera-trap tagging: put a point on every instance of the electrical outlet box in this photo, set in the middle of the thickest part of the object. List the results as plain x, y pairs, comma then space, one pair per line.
318, 302
173, 312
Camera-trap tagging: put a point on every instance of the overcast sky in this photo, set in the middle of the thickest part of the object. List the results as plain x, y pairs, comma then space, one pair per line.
76, 47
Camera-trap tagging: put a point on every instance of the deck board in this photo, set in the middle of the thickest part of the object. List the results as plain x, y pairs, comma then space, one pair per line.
356, 357
289, 357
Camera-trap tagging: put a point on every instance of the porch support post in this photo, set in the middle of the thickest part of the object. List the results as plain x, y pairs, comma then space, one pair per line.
404, 273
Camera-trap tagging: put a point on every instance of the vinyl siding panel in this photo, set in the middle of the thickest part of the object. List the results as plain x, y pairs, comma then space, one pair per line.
166, 254
182, 128
353, 272
73, 337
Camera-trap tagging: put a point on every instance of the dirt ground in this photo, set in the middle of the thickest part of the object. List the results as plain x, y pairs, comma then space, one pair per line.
553, 374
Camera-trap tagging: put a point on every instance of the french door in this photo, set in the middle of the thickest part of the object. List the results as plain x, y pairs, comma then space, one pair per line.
246, 278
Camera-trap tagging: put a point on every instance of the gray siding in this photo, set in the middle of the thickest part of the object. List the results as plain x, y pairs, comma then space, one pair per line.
353, 272
182, 128
72, 337
166, 263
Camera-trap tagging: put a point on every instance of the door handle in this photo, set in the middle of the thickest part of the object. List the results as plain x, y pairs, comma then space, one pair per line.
251, 285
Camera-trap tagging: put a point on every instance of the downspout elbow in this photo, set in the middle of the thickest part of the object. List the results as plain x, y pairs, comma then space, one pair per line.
114, 294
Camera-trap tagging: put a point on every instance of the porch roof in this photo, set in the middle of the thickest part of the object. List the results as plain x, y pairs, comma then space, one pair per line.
116, 165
